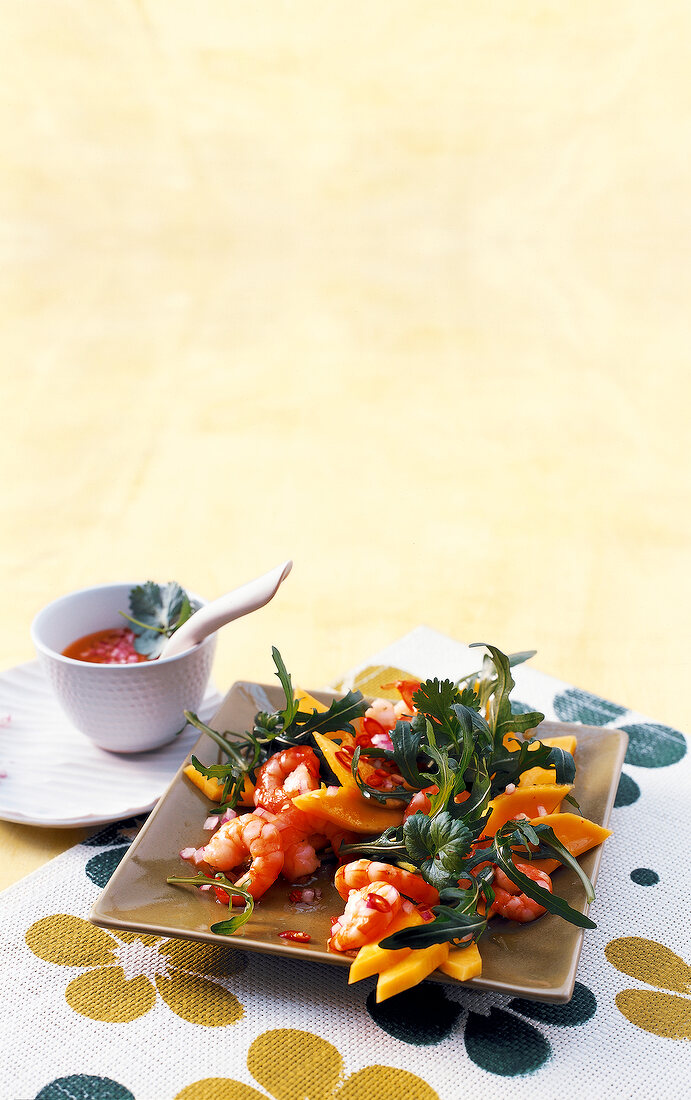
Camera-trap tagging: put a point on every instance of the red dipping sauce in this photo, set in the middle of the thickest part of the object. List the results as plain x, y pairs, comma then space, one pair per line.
106, 647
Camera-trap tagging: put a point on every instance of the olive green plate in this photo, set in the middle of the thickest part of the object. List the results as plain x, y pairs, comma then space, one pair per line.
536, 961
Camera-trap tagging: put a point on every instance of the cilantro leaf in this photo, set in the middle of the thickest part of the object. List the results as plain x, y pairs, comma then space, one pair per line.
438, 845
435, 697
156, 612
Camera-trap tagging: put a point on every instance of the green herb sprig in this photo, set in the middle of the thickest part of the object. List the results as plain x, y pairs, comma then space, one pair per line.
156, 612
224, 927
456, 743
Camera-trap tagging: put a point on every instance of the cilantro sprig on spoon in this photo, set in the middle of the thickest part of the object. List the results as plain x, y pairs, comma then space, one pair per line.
156, 612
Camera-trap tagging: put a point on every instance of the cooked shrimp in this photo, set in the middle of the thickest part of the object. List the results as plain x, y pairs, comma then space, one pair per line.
510, 903
368, 913
285, 775
248, 838
299, 854
361, 872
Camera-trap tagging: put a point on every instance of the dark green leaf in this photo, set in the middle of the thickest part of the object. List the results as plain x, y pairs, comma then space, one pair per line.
292, 705
226, 927
389, 846
502, 856
156, 612
520, 723
340, 715
406, 739
437, 846
448, 925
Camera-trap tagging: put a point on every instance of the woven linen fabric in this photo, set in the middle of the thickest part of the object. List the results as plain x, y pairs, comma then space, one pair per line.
89, 1014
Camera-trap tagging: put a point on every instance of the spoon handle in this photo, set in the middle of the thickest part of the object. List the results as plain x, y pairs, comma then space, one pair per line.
241, 601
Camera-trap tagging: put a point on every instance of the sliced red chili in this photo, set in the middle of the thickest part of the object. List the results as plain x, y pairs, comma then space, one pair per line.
372, 727
298, 937
376, 901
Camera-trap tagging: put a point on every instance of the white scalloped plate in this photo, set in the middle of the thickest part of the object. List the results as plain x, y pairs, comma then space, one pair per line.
52, 775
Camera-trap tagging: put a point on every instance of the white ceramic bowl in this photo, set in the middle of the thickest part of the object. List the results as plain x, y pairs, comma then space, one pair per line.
122, 708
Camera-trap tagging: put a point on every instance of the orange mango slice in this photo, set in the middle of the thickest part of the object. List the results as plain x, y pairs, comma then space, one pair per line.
213, 788
336, 758
525, 800
463, 963
348, 809
577, 834
411, 970
539, 776
307, 702
373, 959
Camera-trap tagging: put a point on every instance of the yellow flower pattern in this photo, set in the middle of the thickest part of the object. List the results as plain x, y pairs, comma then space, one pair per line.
663, 1014
123, 974
296, 1065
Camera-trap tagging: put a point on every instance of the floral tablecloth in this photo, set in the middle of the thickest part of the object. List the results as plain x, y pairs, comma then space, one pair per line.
93, 1015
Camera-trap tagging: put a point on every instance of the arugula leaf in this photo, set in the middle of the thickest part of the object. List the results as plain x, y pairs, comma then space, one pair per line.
340, 715
224, 927
156, 612
507, 765
292, 705
397, 794
449, 925
549, 844
390, 846
406, 738
487, 668
502, 856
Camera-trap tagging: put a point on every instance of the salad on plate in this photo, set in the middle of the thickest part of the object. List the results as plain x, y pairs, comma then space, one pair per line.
440, 813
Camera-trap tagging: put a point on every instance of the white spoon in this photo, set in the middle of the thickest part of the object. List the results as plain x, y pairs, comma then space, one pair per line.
241, 601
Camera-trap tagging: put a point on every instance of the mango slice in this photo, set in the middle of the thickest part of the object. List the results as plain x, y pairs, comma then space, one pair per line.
540, 776
525, 800
213, 788
411, 970
307, 702
331, 751
373, 959
577, 834
463, 963
348, 809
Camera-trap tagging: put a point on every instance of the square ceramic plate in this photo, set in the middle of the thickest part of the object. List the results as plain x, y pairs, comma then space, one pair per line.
536, 961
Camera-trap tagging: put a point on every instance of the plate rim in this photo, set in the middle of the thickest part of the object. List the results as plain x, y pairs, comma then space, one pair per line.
555, 994
94, 819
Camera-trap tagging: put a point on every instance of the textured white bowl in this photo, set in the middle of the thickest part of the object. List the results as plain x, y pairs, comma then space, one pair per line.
121, 708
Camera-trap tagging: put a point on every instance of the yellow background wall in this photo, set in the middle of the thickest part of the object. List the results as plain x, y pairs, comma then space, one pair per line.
398, 290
